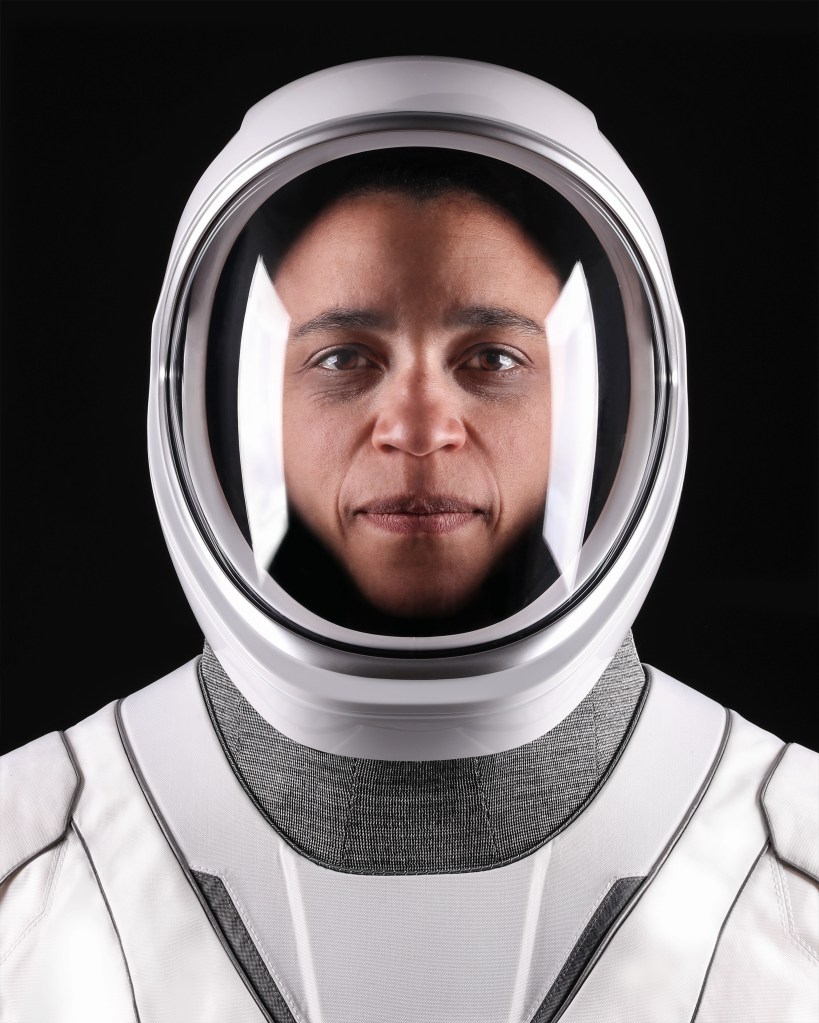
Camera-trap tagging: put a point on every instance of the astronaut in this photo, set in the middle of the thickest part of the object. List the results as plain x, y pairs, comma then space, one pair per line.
417, 435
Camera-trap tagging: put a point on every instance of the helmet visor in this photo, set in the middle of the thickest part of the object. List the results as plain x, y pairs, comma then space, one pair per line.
420, 370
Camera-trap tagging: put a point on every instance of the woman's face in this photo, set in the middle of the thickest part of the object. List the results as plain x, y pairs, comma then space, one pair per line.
416, 393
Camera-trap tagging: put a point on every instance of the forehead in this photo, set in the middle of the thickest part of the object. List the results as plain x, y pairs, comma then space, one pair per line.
392, 225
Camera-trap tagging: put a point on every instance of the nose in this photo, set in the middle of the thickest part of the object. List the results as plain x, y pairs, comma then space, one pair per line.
419, 414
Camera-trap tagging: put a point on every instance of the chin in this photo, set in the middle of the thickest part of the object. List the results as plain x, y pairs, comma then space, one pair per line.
426, 602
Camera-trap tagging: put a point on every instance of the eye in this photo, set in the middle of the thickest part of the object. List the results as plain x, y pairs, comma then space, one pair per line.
344, 359
491, 360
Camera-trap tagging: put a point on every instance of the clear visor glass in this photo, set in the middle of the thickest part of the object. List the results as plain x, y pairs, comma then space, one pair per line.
426, 380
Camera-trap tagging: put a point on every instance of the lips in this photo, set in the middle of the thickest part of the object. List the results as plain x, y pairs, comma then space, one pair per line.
414, 513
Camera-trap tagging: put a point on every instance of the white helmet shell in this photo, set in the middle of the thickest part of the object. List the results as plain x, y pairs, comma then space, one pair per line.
426, 697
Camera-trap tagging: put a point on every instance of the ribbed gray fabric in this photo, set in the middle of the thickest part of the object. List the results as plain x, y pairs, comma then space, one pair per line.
445, 816
242, 945
613, 903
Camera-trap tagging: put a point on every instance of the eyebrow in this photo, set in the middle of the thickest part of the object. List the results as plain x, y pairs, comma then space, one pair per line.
478, 316
475, 317
340, 319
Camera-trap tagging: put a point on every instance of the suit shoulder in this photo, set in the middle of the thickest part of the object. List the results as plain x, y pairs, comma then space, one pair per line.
790, 802
39, 783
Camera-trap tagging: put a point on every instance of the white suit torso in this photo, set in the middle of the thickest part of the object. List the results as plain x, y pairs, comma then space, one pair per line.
143, 883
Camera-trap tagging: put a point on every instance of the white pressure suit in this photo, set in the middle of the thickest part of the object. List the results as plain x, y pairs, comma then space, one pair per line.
403, 783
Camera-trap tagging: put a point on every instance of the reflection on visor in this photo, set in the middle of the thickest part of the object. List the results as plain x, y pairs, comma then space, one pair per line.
573, 366
261, 386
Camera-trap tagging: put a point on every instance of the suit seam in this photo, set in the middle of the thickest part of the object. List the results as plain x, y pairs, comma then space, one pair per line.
66, 822
186, 872
53, 873
107, 904
659, 862
721, 932
804, 948
355, 785
251, 930
780, 902
485, 806
547, 984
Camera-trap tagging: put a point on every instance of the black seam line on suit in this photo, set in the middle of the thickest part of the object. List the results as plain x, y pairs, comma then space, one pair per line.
66, 821
813, 878
593, 933
146, 792
84, 844
724, 924
236, 933
629, 907
764, 791
414, 873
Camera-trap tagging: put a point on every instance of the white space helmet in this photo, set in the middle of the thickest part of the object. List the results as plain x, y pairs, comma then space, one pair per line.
417, 421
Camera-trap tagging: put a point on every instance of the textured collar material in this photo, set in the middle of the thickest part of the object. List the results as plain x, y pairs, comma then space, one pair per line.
443, 816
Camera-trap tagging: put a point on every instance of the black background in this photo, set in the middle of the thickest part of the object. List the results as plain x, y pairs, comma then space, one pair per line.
111, 112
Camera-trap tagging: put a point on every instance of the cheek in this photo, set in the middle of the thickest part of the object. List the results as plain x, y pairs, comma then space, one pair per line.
317, 448
518, 448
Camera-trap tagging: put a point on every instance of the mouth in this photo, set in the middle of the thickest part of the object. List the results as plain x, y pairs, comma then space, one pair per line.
413, 514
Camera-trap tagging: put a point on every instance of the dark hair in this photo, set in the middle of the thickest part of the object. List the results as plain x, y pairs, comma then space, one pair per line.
423, 175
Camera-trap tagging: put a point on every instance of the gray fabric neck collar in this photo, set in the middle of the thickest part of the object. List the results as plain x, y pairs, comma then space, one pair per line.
407, 817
